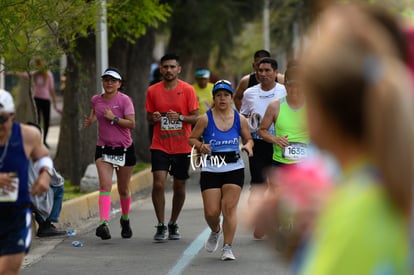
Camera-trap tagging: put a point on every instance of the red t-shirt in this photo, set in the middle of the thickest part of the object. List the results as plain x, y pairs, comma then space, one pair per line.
171, 137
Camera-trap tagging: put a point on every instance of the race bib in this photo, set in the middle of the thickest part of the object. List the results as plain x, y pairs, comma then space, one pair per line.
10, 196
295, 151
167, 124
115, 156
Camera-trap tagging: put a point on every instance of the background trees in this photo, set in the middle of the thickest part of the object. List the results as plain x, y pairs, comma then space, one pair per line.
219, 34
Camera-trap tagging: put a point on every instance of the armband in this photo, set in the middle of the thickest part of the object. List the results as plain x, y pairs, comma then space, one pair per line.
44, 163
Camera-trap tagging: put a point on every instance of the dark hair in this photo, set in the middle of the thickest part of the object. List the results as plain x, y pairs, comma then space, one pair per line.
170, 56
122, 80
270, 61
261, 53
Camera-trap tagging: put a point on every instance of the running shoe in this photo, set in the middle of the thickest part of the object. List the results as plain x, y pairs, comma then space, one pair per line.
103, 232
126, 231
173, 233
161, 234
212, 242
227, 254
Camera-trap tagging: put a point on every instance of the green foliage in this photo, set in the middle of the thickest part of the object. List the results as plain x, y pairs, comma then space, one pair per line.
130, 18
49, 28
42, 28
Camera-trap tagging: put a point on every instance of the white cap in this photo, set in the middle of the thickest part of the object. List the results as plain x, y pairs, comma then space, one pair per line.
6, 102
112, 73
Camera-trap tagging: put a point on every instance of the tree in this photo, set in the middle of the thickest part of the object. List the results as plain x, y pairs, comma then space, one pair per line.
209, 28
127, 20
48, 28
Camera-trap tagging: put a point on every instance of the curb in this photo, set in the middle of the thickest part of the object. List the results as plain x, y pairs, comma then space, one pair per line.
84, 207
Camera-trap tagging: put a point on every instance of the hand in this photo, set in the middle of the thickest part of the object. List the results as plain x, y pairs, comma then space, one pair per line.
156, 116
87, 121
41, 184
282, 141
172, 115
108, 114
205, 148
6, 182
248, 150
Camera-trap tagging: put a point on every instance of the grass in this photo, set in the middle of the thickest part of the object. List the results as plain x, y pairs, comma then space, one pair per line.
73, 191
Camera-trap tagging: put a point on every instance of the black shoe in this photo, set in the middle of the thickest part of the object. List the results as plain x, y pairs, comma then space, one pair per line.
103, 232
49, 230
173, 233
161, 234
126, 231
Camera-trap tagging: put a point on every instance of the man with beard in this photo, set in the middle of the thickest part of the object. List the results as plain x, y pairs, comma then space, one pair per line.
172, 107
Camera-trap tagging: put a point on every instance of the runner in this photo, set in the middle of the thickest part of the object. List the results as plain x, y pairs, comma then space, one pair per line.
115, 114
254, 103
361, 111
222, 175
173, 107
19, 143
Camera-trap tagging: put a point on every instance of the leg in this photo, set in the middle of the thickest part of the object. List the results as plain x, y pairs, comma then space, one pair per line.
10, 264
178, 199
124, 177
105, 172
58, 192
46, 117
158, 196
38, 103
212, 208
229, 201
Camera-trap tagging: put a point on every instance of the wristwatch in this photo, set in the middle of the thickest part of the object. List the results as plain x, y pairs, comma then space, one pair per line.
115, 120
181, 118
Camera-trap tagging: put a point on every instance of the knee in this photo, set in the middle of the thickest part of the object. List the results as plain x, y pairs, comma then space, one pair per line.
211, 214
158, 187
228, 210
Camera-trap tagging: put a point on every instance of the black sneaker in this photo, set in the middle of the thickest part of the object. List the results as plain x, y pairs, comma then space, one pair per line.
161, 234
49, 230
103, 232
173, 233
126, 231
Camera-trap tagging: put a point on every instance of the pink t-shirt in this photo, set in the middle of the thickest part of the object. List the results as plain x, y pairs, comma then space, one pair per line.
43, 85
169, 137
113, 134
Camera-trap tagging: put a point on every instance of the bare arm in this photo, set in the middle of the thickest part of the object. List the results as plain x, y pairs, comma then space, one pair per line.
238, 93
88, 120
246, 136
35, 150
270, 117
194, 138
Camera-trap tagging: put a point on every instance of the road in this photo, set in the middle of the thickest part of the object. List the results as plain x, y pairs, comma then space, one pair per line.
141, 255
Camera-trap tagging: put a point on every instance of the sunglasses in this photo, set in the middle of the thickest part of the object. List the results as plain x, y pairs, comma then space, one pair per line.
109, 79
4, 119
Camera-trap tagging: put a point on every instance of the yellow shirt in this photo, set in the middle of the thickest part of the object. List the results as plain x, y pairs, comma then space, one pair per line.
205, 96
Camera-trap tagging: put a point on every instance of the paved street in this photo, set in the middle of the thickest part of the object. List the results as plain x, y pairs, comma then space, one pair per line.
140, 255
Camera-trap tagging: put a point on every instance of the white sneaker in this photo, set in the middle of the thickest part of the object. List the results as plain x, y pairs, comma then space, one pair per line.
212, 242
227, 254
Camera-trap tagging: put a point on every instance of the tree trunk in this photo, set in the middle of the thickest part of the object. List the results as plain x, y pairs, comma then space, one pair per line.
134, 62
25, 107
76, 148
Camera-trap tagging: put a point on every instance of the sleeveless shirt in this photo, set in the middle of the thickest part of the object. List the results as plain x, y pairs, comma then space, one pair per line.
16, 161
223, 141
